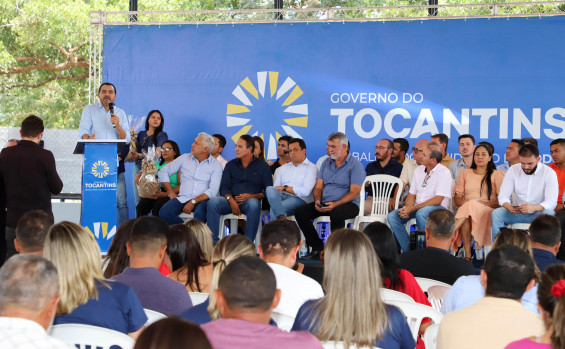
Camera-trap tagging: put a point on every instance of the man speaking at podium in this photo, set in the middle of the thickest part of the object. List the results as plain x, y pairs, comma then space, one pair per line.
103, 120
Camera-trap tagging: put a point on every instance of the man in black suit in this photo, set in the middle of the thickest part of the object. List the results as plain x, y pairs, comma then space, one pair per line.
435, 262
28, 176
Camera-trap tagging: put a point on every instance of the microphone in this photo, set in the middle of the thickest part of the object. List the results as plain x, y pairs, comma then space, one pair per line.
285, 151
111, 105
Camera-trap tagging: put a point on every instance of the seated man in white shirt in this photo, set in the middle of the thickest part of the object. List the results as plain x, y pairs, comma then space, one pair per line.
535, 187
294, 182
29, 294
430, 190
409, 167
280, 241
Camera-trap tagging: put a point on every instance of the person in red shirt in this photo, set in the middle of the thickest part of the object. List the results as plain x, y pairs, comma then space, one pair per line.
557, 148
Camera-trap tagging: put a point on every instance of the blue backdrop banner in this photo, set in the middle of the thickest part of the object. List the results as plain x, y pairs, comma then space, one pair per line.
497, 79
100, 174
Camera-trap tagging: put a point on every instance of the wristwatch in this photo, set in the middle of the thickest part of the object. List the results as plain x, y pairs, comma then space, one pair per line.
284, 187
193, 201
228, 197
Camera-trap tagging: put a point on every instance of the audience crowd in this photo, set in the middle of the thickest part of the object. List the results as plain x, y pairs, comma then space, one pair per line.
260, 286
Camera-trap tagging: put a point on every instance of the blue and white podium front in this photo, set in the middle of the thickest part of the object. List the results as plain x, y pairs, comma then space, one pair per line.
99, 185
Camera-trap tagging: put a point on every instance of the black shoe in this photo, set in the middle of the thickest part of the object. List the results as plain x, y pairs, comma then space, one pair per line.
314, 255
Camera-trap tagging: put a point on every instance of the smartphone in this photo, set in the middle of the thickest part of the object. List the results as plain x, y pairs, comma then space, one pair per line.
322, 204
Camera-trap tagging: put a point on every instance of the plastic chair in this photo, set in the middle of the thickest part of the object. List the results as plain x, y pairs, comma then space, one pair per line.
198, 297
415, 313
326, 219
186, 216
520, 226
153, 316
436, 294
383, 188
284, 322
430, 336
426, 283
340, 345
392, 295
84, 336
233, 224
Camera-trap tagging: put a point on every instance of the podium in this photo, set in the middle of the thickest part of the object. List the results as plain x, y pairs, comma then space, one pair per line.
99, 186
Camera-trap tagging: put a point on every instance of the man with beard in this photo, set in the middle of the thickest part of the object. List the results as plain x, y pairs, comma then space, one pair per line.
535, 188
336, 193
98, 122
466, 149
384, 164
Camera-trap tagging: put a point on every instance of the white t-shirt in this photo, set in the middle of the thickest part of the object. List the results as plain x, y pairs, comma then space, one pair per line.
295, 290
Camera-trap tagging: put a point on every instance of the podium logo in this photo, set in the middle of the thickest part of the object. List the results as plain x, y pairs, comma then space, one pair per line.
100, 169
100, 231
267, 109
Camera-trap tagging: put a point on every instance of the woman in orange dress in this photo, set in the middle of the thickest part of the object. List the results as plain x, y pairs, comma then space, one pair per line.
476, 195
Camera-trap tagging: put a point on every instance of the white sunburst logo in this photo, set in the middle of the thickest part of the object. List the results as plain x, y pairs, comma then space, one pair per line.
100, 169
267, 109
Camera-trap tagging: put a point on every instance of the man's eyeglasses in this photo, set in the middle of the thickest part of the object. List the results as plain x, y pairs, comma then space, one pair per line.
416, 150
381, 148
166, 149
425, 181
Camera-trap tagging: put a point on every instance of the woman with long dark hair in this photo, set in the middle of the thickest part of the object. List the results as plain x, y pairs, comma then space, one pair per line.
190, 266
259, 151
476, 195
169, 151
153, 133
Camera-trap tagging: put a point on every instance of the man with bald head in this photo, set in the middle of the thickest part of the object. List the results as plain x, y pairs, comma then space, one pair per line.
430, 190
409, 167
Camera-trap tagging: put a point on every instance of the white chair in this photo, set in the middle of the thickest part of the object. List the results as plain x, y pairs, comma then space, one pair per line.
153, 316
426, 283
186, 216
436, 294
392, 295
326, 219
233, 224
415, 313
198, 297
284, 322
430, 336
341, 345
521, 226
383, 188
85, 336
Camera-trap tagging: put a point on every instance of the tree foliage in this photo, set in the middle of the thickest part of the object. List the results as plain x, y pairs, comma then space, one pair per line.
44, 46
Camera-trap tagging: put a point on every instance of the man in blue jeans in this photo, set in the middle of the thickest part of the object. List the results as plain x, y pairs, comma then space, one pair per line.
430, 190
535, 187
294, 182
242, 187
200, 175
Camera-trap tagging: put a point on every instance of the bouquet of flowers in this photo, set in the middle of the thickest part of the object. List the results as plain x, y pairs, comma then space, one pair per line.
135, 123
148, 182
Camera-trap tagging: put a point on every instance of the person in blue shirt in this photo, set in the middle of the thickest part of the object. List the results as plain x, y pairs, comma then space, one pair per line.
97, 122
545, 234
86, 297
336, 192
352, 310
242, 188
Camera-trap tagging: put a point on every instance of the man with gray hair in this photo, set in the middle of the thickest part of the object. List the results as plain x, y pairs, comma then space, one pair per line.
336, 192
200, 180
29, 294
430, 190
435, 262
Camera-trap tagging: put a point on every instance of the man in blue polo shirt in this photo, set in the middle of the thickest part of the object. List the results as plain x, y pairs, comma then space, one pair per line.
97, 122
384, 164
242, 187
336, 193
